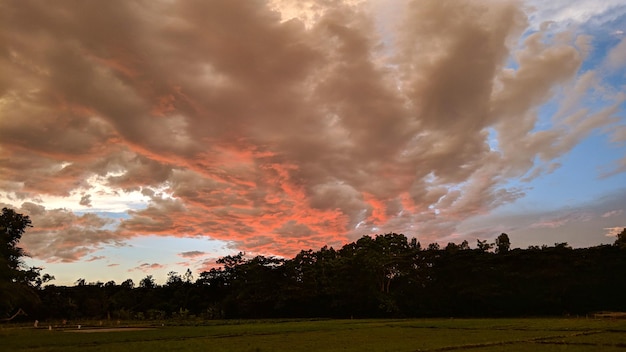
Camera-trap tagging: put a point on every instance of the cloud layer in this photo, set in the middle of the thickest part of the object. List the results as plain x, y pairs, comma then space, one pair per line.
278, 129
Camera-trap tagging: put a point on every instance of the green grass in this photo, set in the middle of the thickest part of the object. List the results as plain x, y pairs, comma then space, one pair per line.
336, 335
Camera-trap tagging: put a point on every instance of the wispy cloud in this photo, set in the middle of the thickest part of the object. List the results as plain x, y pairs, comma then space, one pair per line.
575, 12
611, 213
208, 264
147, 267
561, 220
94, 258
614, 231
191, 254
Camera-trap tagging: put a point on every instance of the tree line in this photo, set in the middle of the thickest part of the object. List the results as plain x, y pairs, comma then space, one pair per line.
386, 275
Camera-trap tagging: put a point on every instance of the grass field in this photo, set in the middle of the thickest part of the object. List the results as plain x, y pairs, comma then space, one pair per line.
331, 335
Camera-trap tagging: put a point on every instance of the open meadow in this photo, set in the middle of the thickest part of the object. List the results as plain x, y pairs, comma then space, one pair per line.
327, 335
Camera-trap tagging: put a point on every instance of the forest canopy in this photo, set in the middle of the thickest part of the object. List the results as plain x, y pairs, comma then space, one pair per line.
386, 275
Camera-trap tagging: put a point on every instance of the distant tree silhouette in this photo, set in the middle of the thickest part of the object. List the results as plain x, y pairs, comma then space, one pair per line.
503, 244
148, 282
374, 276
483, 246
621, 239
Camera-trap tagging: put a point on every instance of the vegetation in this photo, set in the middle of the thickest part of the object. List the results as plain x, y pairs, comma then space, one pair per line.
18, 283
381, 276
336, 335
374, 277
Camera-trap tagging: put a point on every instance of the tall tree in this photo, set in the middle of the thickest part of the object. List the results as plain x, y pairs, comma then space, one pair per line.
12, 227
503, 243
16, 279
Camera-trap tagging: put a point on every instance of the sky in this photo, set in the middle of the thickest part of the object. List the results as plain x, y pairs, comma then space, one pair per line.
144, 137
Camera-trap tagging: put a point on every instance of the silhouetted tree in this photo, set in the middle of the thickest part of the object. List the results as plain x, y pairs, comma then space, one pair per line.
147, 282
621, 239
433, 247
17, 281
188, 276
483, 246
452, 247
173, 279
503, 244
381, 276
128, 283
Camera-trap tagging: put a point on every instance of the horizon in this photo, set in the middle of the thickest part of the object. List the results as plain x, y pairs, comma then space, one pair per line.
144, 138
492, 249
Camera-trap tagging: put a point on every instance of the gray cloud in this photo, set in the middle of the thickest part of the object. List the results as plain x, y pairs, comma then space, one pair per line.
274, 133
191, 254
62, 236
85, 200
581, 226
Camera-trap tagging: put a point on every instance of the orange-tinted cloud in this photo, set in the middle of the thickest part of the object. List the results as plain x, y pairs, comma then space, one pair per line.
147, 267
277, 129
614, 231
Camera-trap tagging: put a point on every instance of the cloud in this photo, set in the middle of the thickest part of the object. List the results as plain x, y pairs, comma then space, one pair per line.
563, 219
614, 231
85, 200
276, 129
191, 254
208, 264
94, 258
580, 226
147, 267
619, 134
572, 12
60, 235
611, 213
615, 58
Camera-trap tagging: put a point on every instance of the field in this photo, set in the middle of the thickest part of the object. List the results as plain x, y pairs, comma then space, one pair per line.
327, 335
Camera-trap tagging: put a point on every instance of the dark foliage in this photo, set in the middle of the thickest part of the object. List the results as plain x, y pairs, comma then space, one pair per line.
382, 276
17, 281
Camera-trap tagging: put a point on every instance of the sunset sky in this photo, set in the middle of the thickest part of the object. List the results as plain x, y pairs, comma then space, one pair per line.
144, 137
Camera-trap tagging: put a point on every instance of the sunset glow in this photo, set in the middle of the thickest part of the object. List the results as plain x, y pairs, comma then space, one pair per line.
143, 137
